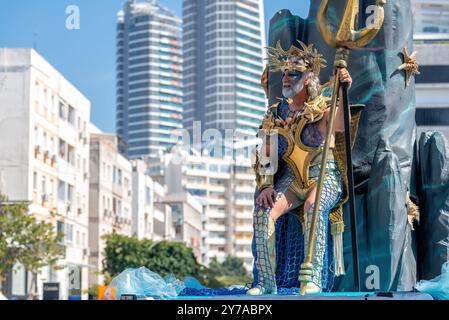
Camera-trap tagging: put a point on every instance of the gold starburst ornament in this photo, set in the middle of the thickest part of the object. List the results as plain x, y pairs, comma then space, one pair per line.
297, 59
410, 66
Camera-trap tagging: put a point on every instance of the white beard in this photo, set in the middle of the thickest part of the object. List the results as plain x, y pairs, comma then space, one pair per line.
293, 91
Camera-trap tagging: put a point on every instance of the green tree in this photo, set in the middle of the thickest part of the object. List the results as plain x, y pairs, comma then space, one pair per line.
163, 257
230, 272
25, 240
173, 257
41, 248
167, 257
123, 252
11, 226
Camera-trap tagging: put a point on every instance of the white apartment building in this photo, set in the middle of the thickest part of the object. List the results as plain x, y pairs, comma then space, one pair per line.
44, 157
187, 213
152, 217
110, 201
225, 187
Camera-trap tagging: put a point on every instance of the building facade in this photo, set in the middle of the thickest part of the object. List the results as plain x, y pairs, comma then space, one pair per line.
225, 187
187, 213
152, 217
431, 39
149, 78
432, 88
110, 201
44, 158
223, 43
431, 18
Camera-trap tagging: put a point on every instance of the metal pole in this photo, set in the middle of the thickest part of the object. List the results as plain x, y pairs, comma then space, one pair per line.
307, 266
350, 174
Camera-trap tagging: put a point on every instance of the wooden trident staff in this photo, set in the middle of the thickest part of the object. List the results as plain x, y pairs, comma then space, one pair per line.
346, 38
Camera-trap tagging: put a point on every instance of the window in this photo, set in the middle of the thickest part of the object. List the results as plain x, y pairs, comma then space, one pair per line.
45, 145
36, 136
52, 145
45, 100
62, 147
35, 180
119, 177
147, 195
83, 240
60, 230
62, 111
70, 155
61, 190
69, 233
53, 103
71, 116
51, 186
44, 185
119, 207
70, 190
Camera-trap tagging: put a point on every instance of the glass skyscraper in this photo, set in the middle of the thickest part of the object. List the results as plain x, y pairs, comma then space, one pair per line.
149, 78
223, 42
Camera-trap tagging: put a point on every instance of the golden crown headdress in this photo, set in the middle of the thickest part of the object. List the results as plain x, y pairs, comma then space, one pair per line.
301, 59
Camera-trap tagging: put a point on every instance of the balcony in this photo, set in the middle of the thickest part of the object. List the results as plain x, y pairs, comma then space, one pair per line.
243, 242
215, 241
216, 214
215, 227
244, 202
244, 228
244, 215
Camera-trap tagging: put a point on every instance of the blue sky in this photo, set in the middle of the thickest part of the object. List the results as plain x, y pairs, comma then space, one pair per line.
86, 57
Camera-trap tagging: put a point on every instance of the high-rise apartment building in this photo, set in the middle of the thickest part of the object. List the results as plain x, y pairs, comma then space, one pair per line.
45, 162
225, 188
149, 78
223, 43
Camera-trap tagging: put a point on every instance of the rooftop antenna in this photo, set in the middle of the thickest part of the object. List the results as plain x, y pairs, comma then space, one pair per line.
35, 41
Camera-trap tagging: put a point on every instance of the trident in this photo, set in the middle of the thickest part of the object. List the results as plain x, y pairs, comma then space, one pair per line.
346, 38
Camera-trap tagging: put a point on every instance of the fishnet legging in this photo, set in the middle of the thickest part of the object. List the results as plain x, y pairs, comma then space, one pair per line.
330, 196
264, 241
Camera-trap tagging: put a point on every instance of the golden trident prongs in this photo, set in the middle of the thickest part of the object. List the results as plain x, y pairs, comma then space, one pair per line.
346, 38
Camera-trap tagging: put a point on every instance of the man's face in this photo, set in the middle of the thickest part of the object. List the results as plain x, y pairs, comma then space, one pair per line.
291, 84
